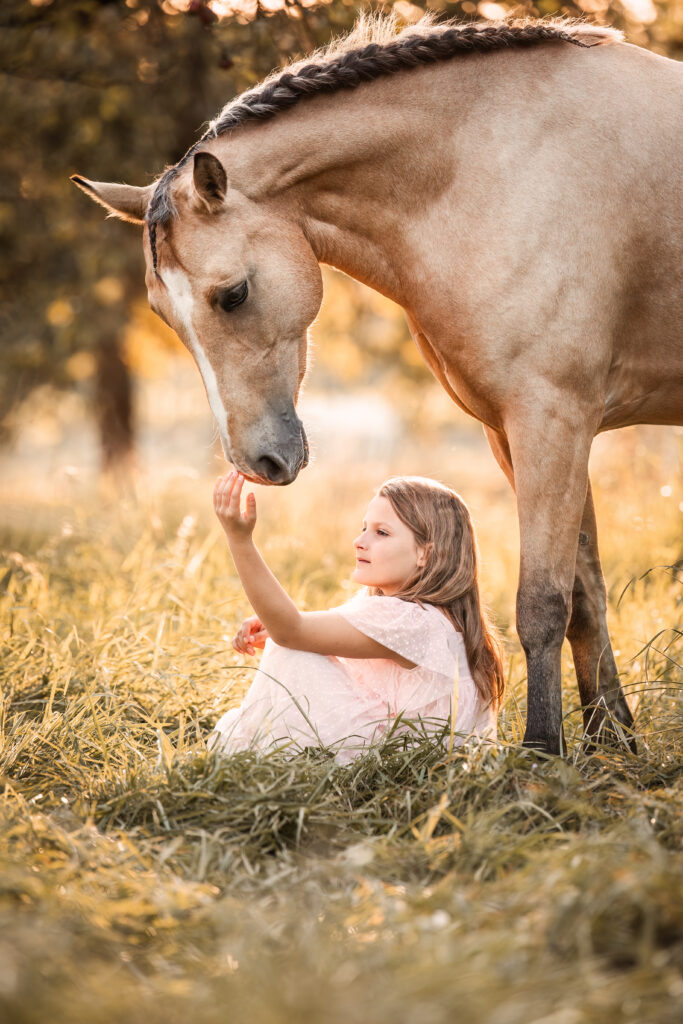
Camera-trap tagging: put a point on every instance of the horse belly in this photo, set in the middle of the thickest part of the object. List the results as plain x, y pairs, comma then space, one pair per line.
572, 288
645, 380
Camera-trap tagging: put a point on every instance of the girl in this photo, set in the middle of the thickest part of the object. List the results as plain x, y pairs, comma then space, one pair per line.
415, 636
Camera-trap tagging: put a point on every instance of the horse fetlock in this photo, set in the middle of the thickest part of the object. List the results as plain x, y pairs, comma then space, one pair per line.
541, 624
544, 713
609, 724
615, 702
552, 743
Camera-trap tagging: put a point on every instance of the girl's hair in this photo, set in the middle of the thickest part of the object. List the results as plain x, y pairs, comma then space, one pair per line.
441, 523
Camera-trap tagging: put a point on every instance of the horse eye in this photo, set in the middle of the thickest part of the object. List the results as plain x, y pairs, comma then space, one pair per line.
230, 298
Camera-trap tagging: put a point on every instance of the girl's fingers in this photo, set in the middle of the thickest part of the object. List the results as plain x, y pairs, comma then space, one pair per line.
219, 490
227, 486
224, 492
227, 499
243, 648
250, 636
236, 493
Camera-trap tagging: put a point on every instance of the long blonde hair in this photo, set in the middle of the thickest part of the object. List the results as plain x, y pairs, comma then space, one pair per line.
441, 523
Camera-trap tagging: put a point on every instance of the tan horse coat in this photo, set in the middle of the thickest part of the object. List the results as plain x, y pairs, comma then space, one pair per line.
524, 208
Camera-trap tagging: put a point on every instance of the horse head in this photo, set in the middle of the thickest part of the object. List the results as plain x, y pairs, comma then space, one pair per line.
240, 285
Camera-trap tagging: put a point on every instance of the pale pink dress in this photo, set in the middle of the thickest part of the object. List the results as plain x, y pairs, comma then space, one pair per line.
303, 699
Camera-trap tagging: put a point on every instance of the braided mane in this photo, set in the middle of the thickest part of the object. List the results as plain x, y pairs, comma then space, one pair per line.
346, 64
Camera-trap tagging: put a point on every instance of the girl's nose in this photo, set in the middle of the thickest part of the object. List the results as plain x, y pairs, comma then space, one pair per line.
358, 542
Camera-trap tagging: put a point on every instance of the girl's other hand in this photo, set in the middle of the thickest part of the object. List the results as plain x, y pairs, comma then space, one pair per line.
250, 635
227, 493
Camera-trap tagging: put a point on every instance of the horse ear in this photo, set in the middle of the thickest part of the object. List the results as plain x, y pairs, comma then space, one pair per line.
210, 180
129, 202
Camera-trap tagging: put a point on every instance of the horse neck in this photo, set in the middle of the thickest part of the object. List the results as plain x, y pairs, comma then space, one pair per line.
354, 167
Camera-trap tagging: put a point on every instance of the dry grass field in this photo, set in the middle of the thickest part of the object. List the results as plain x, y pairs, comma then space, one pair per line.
144, 880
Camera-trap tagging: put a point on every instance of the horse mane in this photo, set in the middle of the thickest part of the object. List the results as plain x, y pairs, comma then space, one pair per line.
371, 50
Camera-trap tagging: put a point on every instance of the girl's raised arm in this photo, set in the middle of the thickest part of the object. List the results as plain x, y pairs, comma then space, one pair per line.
319, 632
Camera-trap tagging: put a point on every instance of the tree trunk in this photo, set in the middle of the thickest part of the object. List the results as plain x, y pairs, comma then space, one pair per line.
114, 409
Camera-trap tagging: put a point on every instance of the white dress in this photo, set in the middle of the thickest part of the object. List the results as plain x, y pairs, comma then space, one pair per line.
303, 699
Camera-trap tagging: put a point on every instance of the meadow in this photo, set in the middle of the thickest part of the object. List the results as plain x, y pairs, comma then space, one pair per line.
144, 879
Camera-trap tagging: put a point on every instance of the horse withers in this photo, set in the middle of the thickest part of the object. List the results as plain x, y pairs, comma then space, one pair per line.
516, 189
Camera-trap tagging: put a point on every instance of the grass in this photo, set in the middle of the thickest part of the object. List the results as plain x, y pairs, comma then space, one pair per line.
144, 879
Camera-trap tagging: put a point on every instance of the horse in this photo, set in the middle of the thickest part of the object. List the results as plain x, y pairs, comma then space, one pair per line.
515, 187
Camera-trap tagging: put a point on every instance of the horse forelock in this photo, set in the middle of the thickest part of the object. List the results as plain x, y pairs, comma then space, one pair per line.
162, 208
374, 48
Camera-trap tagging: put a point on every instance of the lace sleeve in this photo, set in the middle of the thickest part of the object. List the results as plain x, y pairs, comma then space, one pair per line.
419, 634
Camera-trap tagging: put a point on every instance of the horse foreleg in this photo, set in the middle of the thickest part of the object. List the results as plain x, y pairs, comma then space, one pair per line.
596, 670
545, 729
549, 451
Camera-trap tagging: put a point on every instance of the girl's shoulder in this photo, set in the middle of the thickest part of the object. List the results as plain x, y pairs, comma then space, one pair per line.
421, 632
386, 606
414, 631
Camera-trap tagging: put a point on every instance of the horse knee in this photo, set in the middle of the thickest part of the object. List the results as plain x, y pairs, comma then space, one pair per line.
542, 618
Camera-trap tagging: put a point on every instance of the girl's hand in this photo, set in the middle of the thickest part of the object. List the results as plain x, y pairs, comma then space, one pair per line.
226, 502
250, 635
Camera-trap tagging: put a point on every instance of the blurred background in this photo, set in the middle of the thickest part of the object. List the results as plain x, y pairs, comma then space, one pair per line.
94, 387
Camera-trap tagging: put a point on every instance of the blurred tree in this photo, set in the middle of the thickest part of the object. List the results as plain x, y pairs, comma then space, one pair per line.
114, 89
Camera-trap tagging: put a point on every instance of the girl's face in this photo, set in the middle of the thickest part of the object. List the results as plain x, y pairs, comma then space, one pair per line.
386, 551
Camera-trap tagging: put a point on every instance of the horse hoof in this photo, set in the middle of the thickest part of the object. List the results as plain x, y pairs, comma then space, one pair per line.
609, 738
554, 746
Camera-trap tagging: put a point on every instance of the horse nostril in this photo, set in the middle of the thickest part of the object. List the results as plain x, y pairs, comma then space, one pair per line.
273, 468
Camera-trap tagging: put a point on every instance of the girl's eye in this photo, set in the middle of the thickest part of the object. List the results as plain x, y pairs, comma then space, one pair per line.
383, 533
230, 298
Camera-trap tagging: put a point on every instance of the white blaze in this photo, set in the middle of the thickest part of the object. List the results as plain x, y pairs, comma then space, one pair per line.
180, 292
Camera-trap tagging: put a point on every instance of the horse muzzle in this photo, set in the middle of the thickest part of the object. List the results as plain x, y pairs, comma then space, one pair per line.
276, 464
